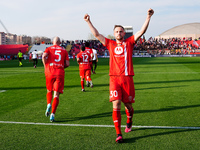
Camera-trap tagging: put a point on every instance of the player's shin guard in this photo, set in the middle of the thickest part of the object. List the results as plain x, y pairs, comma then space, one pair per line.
117, 120
55, 104
49, 97
129, 114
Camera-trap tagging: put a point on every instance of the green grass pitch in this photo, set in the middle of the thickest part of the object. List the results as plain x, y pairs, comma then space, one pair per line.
167, 94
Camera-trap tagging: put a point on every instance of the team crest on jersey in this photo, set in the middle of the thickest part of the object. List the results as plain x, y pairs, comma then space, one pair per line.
118, 50
130, 98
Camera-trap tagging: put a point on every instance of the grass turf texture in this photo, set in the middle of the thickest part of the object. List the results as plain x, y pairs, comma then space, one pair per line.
167, 94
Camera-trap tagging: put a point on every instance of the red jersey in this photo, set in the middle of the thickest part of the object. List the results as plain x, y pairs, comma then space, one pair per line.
121, 56
73, 54
89, 51
84, 60
56, 60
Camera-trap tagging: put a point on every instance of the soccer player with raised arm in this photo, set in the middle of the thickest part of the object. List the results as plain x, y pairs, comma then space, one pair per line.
84, 59
121, 71
55, 59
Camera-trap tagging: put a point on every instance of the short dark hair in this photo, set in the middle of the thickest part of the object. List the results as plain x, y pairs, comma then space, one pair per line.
119, 26
83, 48
87, 44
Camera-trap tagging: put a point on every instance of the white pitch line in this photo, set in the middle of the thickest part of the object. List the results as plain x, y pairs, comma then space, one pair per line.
167, 72
104, 126
1, 91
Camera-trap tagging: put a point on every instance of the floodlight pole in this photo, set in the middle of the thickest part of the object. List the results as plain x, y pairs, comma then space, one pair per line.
4, 26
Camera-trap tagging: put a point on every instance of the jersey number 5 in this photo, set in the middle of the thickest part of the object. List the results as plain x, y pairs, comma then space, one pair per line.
59, 55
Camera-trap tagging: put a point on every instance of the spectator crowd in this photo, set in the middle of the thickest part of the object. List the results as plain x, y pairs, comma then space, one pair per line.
152, 46
173, 46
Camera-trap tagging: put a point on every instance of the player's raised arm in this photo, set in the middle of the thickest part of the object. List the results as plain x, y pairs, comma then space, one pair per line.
145, 25
94, 31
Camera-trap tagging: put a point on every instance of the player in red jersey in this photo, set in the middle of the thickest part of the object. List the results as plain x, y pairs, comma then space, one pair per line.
84, 59
30, 56
121, 71
55, 59
74, 56
90, 52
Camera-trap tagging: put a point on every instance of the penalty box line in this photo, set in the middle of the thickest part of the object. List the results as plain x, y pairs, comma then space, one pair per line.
101, 126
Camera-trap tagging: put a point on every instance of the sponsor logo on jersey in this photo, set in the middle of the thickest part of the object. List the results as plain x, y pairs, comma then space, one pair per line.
118, 50
130, 98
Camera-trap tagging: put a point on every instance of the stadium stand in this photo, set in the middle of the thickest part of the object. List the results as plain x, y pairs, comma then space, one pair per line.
150, 46
39, 47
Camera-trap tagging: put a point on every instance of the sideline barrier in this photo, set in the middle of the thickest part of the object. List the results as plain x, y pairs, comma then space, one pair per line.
148, 56
12, 49
175, 56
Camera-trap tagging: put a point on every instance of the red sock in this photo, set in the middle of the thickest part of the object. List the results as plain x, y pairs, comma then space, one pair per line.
82, 84
55, 104
89, 79
129, 115
117, 120
49, 97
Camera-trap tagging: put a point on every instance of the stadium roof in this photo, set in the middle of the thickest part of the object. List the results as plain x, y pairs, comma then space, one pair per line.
185, 30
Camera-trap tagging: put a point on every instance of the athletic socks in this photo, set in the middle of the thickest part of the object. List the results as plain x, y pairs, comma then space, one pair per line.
89, 79
91, 84
55, 104
129, 115
49, 97
82, 84
20, 64
117, 120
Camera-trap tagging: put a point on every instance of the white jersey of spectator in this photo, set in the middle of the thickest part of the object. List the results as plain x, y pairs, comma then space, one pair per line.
95, 54
34, 54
